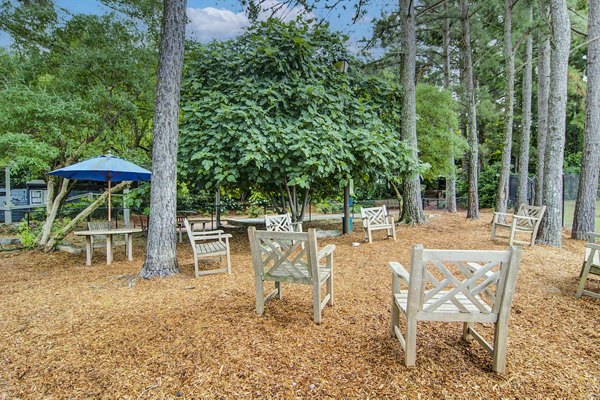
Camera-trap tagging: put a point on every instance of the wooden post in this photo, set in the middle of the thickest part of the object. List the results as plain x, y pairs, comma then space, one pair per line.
346, 221
218, 206
8, 211
126, 215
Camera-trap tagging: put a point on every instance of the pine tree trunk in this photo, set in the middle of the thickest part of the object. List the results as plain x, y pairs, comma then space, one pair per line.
412, 213
161, 256
522, 186
551, 230
542, 101
472, 139
509, 99
585, 208
451, 178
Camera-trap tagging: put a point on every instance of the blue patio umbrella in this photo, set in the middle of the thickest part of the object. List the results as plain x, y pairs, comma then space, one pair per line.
106, 168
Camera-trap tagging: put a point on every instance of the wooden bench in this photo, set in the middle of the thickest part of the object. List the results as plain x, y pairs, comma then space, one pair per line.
100, 240
591, 265
526, 220
377, 218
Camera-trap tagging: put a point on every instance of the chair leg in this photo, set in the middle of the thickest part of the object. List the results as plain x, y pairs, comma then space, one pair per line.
585, 270
499, 353
512, 236
493, 230
330, 289
228, 261
395, 317
317, 303
260, 297
196, 266
278, 288
370, 235
393, 231
411, 341
467, 337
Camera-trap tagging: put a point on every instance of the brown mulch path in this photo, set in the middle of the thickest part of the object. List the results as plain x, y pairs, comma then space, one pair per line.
67, 331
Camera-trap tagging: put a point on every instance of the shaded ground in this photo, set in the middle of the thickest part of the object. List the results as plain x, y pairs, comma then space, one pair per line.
71, 331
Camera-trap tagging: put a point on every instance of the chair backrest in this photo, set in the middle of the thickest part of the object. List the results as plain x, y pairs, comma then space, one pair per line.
189, 231
292, 254
374, 215
525, 210
475, 281
140, 221
279, 223
100, 225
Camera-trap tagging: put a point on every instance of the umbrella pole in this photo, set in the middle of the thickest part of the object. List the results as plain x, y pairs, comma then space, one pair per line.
109, 224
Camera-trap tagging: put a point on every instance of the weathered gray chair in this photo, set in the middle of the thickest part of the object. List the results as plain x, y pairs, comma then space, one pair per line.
208, 244
526, 220
282, 223
591, 265
466, 286
291, 257
377, 218
100, 240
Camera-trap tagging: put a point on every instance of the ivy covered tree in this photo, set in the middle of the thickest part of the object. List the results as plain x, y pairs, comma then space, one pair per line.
270, 111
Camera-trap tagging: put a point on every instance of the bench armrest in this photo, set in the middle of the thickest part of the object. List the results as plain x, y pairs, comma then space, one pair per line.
207, 237
501, 213
208, 232
591, 236
399, 271
325, 251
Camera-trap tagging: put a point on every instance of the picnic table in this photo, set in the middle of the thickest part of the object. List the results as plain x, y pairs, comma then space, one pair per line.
109, 233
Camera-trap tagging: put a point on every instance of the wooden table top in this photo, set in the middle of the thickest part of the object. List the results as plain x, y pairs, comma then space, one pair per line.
119, 231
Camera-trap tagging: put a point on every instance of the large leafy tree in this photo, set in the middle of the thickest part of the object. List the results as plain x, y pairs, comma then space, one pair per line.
82, 84
270, 111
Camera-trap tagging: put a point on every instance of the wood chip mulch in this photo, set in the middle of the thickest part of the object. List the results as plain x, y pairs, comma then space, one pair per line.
67, 331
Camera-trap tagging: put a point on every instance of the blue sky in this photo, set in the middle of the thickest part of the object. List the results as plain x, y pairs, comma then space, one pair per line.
224, 19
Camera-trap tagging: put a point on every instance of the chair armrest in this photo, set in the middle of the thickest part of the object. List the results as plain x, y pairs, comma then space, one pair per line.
593, 246
501, 213
399, 271
524, 217
325, 251
208, 232
217, 237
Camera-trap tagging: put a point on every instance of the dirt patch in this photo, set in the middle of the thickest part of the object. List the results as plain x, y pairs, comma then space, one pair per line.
71, 331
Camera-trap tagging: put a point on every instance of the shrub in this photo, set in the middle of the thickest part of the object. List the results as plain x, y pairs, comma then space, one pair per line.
26, 235
255, 211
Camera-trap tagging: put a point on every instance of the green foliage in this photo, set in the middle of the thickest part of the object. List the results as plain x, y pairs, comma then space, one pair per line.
26, 235
437, 130
488, 184
269, 109
255, 211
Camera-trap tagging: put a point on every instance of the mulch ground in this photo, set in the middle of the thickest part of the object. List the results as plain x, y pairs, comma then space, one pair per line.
67, 331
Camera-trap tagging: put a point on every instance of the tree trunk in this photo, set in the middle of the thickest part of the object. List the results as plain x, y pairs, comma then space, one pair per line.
451, 178
509, 100
523, 176
412, 212
551, 232
472, 139
54, 205
58, 236
585, 208
161, 256
543, 90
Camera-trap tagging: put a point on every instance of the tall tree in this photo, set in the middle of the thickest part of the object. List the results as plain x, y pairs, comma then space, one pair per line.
509, 98
551, 232
450, 178
161, 256
542, 112
412, 210
473, 157
585, 207
523, 174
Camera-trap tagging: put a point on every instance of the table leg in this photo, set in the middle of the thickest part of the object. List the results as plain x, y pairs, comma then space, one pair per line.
129, 240
109, 255
88, 251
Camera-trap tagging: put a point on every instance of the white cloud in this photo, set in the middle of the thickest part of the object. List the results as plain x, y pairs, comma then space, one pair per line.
211, 23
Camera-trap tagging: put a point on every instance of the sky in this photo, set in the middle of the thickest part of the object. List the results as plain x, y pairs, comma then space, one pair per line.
225, 19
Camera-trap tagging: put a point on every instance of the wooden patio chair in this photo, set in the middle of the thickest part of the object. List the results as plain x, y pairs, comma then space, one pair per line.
282, 223
469, 286
208, 244
526, 220
291, 257
377, 218
591, 265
